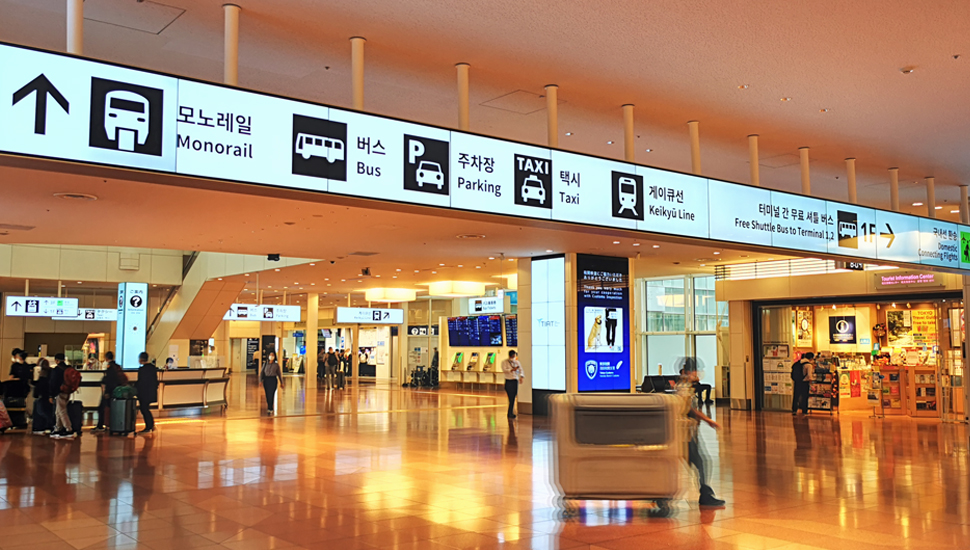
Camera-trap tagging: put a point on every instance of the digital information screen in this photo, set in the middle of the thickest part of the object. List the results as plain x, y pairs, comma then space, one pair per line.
511, 330
475, 331
603, 304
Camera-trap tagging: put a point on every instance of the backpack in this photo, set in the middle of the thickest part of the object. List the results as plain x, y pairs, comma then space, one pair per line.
798, 371
72, 380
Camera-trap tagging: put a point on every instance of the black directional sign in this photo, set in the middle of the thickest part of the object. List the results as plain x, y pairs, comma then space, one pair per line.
42, 87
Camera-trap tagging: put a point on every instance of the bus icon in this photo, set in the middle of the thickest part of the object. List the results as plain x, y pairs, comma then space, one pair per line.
309, 145
126, 118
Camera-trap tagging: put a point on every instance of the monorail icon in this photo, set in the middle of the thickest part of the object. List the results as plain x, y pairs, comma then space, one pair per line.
309, 145
628, 195
126, 118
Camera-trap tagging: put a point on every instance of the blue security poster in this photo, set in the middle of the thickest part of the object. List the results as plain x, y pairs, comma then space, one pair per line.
603, 303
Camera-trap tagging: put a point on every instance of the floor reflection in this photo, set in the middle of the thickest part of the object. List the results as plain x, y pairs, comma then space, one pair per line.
386, 467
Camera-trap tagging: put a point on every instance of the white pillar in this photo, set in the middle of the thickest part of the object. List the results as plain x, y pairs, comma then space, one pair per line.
753, 159
312, 327
462, 96
695, 147
964, 210
230, 70
75, 27
357, 71
806, 179
552, 114
931, 196
629, 143
894, 189
850, 176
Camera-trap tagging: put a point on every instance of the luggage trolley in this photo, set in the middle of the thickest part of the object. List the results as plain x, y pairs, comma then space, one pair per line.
618, 447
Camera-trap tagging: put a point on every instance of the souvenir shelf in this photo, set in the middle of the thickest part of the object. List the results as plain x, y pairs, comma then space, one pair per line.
823, 390
924, 391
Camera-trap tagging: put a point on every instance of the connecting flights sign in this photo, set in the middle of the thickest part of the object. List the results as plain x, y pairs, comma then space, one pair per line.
63, 107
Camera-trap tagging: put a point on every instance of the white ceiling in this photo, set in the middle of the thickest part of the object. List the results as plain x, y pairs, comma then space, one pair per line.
675, 60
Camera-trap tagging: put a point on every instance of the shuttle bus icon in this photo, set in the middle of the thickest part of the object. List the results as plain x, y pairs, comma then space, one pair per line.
628, 195
309, 145
126, 118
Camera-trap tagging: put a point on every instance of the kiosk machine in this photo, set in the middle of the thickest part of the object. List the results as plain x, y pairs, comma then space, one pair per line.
459, 359
473, 361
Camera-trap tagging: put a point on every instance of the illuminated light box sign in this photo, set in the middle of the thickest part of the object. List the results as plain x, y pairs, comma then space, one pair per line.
253, 312
69, 108
893, 280
91, 314
38, 306
369, 316
548, 323
487, 304
603, 311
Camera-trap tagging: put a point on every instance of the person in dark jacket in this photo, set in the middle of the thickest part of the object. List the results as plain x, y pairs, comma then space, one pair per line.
63, 429
147, 389
16, 388
43, 418
269, 376
113, 377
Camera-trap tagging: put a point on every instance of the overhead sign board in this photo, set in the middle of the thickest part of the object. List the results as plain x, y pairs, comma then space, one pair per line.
369, 316
64, 107
90, 314
487, 304
40, 306
253, 312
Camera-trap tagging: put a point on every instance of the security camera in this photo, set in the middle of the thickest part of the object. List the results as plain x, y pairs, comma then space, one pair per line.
333, 262
273, 257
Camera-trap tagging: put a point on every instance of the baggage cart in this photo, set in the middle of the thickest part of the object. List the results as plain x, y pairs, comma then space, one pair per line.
618, 447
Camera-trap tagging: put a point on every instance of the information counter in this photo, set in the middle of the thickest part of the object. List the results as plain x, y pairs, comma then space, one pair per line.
179, 388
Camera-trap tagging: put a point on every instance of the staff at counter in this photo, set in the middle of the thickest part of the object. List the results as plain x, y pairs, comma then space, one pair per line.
180, 388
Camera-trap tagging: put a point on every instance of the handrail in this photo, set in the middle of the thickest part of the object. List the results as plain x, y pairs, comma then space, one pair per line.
187, 262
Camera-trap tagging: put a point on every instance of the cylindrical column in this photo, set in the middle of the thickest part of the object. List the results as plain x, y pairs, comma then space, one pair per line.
230, 69
60, 288
894, 189
312, 316
552, 114
26, 287
931, 196
850, 177
753, 159
964, 205
357, 71
806, 178
695, 147
75, 27
462, 96
629, 143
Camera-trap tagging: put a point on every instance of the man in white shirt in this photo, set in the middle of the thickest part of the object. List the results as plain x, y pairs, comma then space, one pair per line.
513, 377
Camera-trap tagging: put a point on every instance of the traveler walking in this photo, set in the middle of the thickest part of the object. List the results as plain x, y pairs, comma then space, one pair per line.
513, 377
43, 418
332, 362
269, 375
147, 389
695, 456
64, 381
801, 374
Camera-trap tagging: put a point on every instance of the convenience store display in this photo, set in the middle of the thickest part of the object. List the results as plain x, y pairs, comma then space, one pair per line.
823, 389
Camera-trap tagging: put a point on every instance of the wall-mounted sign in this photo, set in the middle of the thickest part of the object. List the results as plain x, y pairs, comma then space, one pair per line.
40, 306
487, 304
369, 316
851, 266
76, 109
132, 323
267, 313
91, 314
603, 311
893, 280
842, 329
423, 330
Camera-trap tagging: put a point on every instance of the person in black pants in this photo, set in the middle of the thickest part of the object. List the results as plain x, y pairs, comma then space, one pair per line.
513, 376
113, 377
269, 375
147, 388
801, 372
611, 314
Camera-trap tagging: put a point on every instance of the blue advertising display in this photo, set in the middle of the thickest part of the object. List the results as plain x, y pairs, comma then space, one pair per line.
603, 305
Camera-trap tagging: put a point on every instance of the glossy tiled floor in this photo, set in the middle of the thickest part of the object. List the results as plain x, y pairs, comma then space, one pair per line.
444, 470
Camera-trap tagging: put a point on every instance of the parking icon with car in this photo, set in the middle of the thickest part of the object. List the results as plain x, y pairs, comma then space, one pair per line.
426, 164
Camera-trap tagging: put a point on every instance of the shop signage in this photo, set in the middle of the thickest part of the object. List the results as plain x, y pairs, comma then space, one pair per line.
487, 304
603, 311
39, 306
893, 280
64, 107
548, 323
842, 329
90, 314
132, 323
253, 312
369, 316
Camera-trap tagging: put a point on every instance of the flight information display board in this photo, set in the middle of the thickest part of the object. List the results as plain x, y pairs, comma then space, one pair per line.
511, 331
70, 108
475, 331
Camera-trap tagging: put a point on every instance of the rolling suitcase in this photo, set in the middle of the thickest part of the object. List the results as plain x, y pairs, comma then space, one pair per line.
341, 379
17, 410
75, 412
122, 418
619, 447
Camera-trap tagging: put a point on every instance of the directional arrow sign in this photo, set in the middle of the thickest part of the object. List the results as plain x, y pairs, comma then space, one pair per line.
16, 306
889, 234
43, 87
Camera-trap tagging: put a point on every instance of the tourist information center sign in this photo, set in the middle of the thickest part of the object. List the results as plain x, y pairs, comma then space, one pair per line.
69, 108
